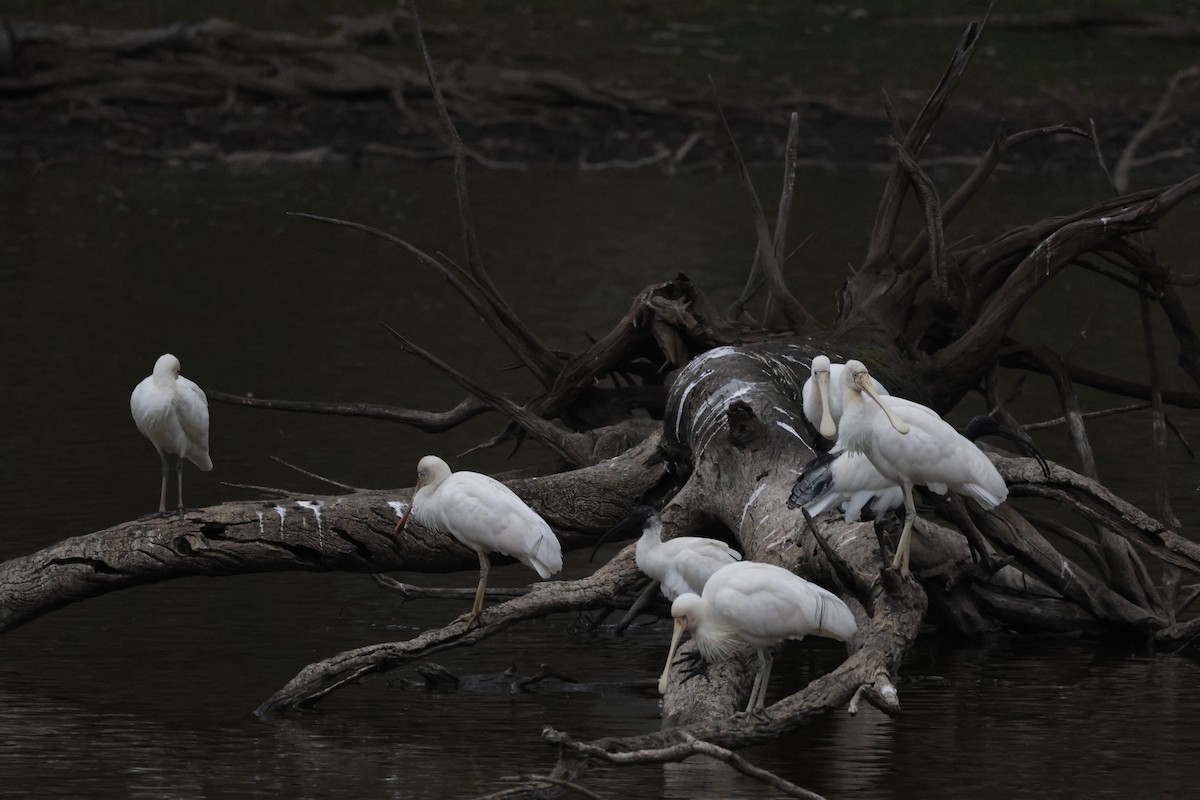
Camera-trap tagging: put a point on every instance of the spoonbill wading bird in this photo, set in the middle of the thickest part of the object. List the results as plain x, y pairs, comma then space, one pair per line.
755, 604
822, 396
172, 412
680, 565
910, 444
484, 515
846, 479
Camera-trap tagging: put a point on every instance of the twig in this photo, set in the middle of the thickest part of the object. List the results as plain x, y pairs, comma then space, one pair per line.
785, 205
1052, 423
1171, 574
526, 346
466, 286
884, 230
845, 573
678, 752
429, 421
1157, 119
264, 489
408, 591
545, 432
948, 285
1100, 158
322, 478
797, 317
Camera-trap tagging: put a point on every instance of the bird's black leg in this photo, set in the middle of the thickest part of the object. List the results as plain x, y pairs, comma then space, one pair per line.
692, 664
179, 480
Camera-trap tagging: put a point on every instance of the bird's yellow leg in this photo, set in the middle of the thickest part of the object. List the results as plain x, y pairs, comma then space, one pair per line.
910, 516
768, 662
477, 608
759, 690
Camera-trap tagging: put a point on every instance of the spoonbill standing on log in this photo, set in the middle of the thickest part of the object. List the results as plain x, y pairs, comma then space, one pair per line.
172, 412
755, 604
484, 515
822, 396
847, 479
680, 565
911, 444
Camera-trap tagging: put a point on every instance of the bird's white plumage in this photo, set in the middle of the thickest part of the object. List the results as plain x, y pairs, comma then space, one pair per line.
822, 392
172, 412
683, 564
931, 453
857, 484
756, 605
486, 516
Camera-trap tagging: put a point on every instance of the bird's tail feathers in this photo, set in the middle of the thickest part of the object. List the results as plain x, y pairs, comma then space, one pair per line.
547, 559
835, 620
814, 481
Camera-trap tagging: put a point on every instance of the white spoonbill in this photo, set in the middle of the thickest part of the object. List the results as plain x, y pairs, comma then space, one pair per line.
172, 412
755, 604
486, 516
680, 565
910, 444
845, 479
822, 396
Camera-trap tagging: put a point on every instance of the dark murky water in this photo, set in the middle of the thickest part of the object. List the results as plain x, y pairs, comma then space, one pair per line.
149, 692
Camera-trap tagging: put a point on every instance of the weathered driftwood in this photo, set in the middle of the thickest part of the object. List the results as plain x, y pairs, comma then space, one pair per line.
725, 441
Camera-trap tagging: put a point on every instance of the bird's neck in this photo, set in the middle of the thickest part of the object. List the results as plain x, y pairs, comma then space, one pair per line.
716, 641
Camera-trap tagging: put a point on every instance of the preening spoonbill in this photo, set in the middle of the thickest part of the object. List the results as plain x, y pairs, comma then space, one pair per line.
910, 444
846, 479
755, 604
680, 565
822, 396
172, 412
484, 515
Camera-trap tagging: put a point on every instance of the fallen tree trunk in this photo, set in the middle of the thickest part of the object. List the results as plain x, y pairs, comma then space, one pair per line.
351, 533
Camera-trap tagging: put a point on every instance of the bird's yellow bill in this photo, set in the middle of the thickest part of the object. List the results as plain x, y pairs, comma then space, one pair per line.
827, 428
900, 425
407, 511
666, 673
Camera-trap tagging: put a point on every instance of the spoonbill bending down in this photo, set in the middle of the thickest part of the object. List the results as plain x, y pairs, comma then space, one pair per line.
680, 565
841, 478
822, 396
755, 604
485, 516
910, 444
172, 412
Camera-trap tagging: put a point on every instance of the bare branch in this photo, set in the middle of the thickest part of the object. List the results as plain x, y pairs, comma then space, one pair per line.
321, 679
947, 284
883, 234
554, 438
1156, 120
430, 421
678, 751
798, 320
408, 591
976, 180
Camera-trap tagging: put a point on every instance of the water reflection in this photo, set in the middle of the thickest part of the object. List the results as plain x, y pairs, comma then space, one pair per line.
148, 692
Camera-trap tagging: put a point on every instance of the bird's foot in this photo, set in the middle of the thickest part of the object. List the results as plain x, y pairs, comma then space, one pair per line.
473, 619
